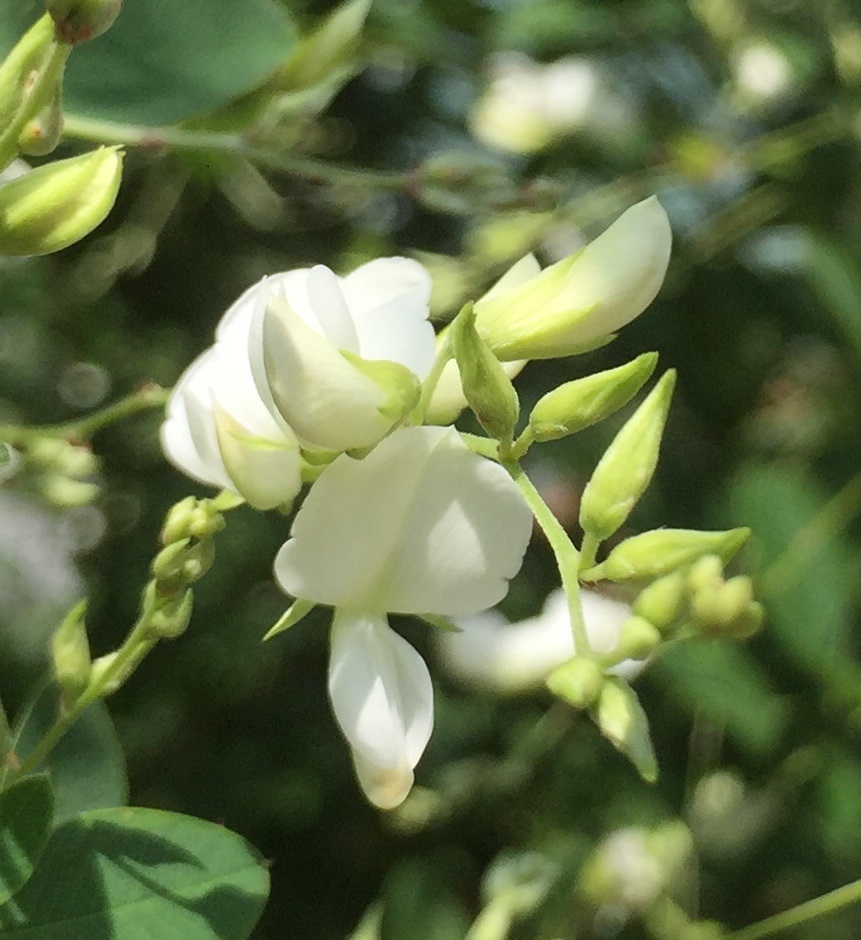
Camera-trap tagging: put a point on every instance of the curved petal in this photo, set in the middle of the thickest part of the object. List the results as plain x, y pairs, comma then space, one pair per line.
421, 525
382, 698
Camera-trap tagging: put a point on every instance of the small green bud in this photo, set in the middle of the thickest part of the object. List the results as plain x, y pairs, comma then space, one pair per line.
79, 20
577, 682
56, 205
70, 654
487, 388
622, 721
638, 639
662, 551
403, 389
177, 523
172, 617
18, 68
168, 563
748, 623
662, 602
626, 469
705, 573
329, 49
42, 133
715, 608
584, 402
66, 493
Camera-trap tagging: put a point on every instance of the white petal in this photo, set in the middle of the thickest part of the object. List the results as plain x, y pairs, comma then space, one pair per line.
519, 273
330, 308
421, 525
327, 401
383, 701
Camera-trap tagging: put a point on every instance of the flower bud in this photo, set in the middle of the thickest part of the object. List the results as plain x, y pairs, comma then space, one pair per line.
488, 389
178, 521
329, 48
577, 682
638, 639
748, 623
70, 653
56, 205
622, 721
42, 133
171, 619
79, 20
16, 70
662, 551
168, 563
714, 609
579, 404
578, 303
626, 469
662, 602
705, 573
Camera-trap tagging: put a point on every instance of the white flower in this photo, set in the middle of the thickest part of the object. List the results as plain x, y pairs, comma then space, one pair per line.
421, 525
581, 301
343, 358
517, 657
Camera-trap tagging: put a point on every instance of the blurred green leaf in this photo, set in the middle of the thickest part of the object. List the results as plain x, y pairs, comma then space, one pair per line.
127, 873
87, 767
163, 61
26, 811
834, 274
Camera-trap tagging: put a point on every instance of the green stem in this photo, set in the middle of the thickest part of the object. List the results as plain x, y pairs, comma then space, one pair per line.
151, 396
178, 138
588, 551
810, 910
567, 556
493, 923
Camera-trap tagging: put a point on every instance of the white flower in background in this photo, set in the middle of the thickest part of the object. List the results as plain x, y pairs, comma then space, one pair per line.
421, 526
581, 301
528, 106
510, 658
343, 358
303, 354
762, 72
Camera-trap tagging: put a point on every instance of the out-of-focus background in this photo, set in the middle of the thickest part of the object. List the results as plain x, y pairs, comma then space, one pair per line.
484, 129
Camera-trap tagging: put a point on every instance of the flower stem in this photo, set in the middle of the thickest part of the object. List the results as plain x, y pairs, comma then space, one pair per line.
567, 556
810, 910
150, 396
588, 551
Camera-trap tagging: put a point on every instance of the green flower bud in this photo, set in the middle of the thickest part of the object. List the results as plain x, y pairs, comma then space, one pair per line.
705, 573
168, 564
621, 720
626, 469
638, 639
177, 523
577, 682
56, 205
662, 551
662, 602
42, 134
329, 48
715, 608
70, 654
16, 70
487, 388
172, 617
748, 623
584, 402
66, 493
79, 20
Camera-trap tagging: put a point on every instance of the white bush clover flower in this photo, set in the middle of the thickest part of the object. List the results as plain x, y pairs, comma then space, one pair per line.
512, 658
422, 525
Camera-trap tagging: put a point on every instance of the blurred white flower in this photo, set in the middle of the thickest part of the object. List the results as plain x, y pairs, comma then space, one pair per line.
422, 525
762, 72
512, 658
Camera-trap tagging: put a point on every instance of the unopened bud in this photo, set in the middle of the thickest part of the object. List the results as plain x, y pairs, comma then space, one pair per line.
168, 563
748, 623
19, 66
42, 134
56, 205
172, 617
79, 20
638, 639
662, 551
70, 653
661, 603
705, 573
621, 720
580, 404
487, 388
626, 469
329, 48
577, 682
715, 608
177, 523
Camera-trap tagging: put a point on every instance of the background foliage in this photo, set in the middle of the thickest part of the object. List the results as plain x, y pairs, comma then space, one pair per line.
761, 314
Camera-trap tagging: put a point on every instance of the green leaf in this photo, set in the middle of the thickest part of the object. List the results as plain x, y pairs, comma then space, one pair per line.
134, 873
26, 811
87, 767
164, 61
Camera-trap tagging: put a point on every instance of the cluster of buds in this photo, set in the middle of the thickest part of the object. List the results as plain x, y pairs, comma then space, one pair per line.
62, 472
56, 205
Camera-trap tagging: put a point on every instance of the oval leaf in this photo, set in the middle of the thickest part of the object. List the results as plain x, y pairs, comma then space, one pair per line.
26, 811
131, 873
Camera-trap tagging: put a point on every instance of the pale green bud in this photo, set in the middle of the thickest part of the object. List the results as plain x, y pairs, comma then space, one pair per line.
577, 682
17, 69
171, 619
56, 205
181, 563
714, 608
42, 134
70, 654
638, 639
329, 48
626, 468
487, 388
178, 521
66, 493
621, 720
79, 20
705, 573
168, 564
748, 623
401, 386
662, 551
580, 404
662, 602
